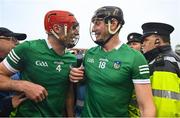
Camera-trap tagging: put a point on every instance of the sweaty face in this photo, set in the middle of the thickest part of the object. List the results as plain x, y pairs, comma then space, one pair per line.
71, 37
135, 45
149, 43
74, 31
98, 30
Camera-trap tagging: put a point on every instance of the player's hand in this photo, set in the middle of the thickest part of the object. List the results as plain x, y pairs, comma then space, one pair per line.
18, 99
76, 74
34, 92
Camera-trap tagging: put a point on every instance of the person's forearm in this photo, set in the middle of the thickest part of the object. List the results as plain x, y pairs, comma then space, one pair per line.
70, 101
10, 85
5, 83
148, 111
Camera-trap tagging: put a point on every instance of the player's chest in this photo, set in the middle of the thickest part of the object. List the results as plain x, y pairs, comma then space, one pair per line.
107, 67
50, 64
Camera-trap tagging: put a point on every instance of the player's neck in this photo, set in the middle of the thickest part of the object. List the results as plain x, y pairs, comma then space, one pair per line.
57, 46
113, 43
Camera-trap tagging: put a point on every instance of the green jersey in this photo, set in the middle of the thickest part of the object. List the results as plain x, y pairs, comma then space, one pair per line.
38, 63
110, 77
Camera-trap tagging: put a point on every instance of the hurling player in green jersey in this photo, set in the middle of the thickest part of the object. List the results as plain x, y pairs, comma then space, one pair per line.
44, 65
112, 70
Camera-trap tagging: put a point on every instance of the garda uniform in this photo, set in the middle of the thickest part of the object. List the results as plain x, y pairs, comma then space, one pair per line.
134, 37
164, 72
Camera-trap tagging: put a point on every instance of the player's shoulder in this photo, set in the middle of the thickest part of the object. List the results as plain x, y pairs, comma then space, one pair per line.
32, 43
130, 51
93, 49
68, 53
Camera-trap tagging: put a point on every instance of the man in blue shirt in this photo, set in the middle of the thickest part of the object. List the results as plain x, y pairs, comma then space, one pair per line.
9, 40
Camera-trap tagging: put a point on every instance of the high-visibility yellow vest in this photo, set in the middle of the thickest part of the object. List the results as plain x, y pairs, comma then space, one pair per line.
166, 86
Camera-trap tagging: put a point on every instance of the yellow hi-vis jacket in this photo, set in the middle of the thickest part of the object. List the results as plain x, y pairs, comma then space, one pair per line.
165, 80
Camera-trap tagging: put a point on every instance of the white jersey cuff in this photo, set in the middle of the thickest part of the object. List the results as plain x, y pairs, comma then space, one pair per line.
8, 66
141, 81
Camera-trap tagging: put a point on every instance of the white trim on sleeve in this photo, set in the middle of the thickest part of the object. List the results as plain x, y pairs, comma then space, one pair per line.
141, 81
8, 66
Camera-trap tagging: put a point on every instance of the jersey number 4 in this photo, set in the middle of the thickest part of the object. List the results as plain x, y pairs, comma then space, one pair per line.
58, 68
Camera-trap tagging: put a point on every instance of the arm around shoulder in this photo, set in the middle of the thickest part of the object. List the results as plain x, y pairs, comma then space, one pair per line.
31, 90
